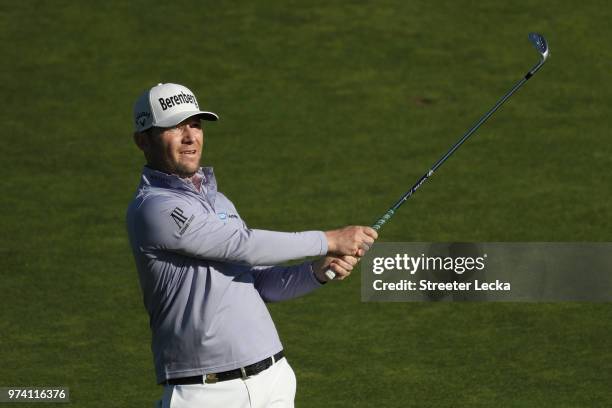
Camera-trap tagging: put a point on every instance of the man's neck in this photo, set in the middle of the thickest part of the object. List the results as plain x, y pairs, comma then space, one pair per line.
195, 178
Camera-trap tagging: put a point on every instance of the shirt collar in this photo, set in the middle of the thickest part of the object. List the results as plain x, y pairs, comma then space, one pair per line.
156, 178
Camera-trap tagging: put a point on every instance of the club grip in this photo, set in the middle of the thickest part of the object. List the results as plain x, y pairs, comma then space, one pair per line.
377, 225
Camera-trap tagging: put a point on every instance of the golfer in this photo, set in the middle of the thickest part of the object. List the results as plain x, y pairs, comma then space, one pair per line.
205, 275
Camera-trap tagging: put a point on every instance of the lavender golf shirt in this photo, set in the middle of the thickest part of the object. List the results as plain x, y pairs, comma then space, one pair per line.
202, 276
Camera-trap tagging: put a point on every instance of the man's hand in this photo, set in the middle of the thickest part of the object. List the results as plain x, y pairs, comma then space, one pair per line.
353, 240
342, 266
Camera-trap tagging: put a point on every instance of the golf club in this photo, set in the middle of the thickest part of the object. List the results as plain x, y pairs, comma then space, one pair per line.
541, 46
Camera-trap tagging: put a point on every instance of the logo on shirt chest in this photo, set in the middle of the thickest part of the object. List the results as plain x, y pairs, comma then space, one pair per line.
224, 216
181, 219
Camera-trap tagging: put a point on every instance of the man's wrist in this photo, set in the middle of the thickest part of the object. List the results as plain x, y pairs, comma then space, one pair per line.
330, 241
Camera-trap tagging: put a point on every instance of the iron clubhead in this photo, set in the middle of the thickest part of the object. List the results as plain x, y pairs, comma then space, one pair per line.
540, 44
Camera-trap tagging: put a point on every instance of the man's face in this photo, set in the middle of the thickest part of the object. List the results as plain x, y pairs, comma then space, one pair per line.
176, 150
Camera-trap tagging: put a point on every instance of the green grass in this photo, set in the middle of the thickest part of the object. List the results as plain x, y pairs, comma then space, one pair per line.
322, 124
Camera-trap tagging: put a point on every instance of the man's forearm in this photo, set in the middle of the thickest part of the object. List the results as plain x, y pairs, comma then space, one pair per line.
278, 283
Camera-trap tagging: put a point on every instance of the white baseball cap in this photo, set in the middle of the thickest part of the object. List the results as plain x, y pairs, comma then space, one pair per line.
166, 105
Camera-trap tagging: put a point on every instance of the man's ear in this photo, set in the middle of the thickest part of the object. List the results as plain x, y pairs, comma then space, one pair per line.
142, 141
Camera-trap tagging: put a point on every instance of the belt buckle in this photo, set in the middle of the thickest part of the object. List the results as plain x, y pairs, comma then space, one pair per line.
211, 378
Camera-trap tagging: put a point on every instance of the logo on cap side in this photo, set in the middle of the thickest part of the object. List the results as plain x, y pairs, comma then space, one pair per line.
142, 117
180, 98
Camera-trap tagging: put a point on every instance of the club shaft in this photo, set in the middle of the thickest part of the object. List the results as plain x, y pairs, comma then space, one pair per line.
382, 220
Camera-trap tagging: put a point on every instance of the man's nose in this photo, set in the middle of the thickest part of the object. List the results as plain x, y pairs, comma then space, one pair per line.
189, 134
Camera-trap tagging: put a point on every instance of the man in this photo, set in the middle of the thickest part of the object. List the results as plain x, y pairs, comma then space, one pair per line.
203, 272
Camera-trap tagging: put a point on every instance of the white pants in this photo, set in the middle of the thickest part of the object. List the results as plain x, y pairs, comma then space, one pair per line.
272, 388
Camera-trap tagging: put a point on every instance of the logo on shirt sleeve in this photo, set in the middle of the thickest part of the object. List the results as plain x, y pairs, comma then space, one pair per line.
181, 219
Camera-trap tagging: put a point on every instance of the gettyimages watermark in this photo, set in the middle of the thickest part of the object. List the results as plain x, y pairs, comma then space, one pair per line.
512, 272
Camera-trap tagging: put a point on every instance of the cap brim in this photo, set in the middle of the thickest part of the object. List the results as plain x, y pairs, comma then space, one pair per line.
179, 117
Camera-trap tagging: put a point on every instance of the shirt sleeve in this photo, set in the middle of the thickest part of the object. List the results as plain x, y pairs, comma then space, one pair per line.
186, 227
278, 283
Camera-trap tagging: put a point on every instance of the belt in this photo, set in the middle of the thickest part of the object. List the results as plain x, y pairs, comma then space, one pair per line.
242, 372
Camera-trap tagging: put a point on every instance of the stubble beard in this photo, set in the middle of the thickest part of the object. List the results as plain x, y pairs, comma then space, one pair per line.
187, 170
